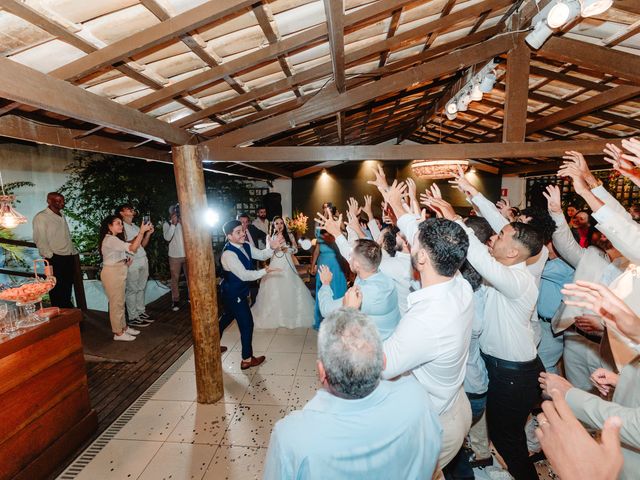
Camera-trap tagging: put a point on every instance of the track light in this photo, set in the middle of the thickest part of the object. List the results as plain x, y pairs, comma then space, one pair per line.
487, 82
563, 12
540, 33
463, 102
476, 92
451, 108
589, 8
451, 116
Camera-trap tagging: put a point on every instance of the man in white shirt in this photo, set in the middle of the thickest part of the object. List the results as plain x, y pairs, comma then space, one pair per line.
432, 339
261, 222
507, 341
138, 271
238, 271
172, 233
53, 239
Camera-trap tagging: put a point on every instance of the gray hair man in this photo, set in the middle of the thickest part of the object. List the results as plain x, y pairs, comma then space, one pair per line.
357, 425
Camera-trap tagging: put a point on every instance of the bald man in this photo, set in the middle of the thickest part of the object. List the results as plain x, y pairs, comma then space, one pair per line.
53, 239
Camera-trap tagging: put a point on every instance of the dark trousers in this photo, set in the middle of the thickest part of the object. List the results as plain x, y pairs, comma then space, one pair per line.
459, 468
60, 295
513, 392
238, 308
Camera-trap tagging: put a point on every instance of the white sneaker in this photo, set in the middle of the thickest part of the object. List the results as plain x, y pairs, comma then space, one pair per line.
132, 331
125, 337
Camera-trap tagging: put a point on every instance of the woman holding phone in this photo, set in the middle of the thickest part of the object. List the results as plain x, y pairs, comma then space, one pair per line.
117, 255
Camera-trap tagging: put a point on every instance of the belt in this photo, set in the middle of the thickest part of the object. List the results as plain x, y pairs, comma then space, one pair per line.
588, 336
476, 396
509, 365
545, 319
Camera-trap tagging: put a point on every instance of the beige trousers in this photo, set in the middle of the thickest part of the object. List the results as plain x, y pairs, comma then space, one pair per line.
455, 424
479, 438
176, 265
114, 280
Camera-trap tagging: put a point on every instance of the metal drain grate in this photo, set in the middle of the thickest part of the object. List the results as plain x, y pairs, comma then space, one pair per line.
73, 470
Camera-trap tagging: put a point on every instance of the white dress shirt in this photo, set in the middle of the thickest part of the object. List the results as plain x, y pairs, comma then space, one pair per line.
51, 234
114, 250
130, 232
510, 303
432, 340
622, 232
400, 270
262, 225
231, 263
173, 235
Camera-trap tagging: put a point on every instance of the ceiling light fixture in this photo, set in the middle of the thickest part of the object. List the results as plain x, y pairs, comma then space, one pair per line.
438, 169
9, 217
589, 8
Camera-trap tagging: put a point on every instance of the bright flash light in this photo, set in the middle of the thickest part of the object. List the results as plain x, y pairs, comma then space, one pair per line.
211, 217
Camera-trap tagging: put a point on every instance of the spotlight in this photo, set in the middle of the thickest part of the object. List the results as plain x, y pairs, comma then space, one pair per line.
461, 103
211, 217
451, 116
451, 108
540, 33
589, 8
487, 82
476, 93
563, 12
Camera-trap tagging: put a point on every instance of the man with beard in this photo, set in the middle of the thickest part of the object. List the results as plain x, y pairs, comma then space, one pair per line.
261, 222
600, 263
432, 339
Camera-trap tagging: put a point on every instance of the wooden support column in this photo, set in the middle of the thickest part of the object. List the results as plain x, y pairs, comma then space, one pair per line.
187, 165
516, 94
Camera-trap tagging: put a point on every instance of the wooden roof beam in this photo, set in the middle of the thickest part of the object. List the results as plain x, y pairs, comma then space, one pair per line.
334, 11
155, 35
328, 102
516, 93
577, 110
595, 57
31, 87
403, 152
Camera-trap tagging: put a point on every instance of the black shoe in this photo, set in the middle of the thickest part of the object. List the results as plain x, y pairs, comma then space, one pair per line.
481, 462
145, 317
138, 323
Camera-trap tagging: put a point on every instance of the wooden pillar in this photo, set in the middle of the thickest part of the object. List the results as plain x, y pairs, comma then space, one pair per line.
187, 165
514, 123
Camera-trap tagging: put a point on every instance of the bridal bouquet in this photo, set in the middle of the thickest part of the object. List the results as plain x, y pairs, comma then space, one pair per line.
298, 224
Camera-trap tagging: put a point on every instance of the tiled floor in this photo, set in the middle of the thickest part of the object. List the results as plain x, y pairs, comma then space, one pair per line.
172, 437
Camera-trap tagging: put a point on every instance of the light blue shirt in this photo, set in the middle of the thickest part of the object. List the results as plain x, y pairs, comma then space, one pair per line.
393, 433
476, 379
555, 274
379, 302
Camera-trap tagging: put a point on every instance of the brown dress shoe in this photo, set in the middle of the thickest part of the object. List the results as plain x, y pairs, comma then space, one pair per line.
223, 349
254, 362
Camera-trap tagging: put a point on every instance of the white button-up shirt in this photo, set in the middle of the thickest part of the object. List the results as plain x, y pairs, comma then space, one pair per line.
231, 263
51, 234
173, 234
130, 232
432, 340
510, 302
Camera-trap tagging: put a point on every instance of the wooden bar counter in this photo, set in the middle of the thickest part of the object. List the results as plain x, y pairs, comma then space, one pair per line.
45, 414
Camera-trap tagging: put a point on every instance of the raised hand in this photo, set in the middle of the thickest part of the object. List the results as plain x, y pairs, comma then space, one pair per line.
572, 157
354, 223
412, 194
632, 145
572, 452
325, 275
352, 298
464, 185
393, 196
330, 224
352, 207
622, 164
504, 206
604, 380
571, 170
554, 204
368, 208
276, 242
442, 208
380, 179
602, 301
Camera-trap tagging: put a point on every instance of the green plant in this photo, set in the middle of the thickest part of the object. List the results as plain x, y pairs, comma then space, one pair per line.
98, 183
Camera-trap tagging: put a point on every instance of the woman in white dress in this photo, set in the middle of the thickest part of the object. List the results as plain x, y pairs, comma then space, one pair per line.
283, 299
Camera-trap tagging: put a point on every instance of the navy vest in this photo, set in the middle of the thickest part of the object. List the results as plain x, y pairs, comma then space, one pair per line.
231, 284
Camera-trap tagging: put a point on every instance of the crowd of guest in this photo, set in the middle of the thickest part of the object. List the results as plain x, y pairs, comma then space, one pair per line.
512, 328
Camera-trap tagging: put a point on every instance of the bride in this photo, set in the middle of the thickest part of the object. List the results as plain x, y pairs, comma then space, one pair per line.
283, 299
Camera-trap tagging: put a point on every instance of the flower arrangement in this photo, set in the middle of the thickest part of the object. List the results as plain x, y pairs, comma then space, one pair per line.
298, 224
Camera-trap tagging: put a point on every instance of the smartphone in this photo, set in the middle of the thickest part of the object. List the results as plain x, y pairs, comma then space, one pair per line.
146, 218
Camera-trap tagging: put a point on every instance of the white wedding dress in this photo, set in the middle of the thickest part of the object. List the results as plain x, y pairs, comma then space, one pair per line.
283, 299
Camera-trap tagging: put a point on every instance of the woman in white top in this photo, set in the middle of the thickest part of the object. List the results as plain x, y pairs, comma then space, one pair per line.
283, 299
115, 262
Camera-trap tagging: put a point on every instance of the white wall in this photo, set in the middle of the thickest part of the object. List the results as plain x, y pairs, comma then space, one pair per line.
517, 190
41, 165
283, 187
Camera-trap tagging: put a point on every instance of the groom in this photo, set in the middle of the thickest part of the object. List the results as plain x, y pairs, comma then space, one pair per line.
238, 271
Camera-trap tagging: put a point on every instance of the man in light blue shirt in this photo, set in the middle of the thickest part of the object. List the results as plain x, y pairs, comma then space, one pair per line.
379, 296
357, 426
